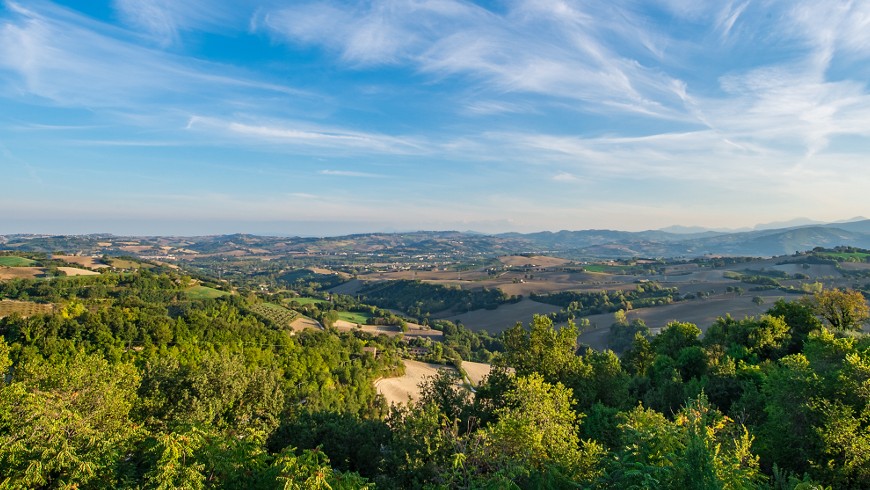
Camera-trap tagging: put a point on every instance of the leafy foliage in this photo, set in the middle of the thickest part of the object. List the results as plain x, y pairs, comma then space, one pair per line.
128, 382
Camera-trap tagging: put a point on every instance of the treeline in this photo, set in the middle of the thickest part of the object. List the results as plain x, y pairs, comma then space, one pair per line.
419, 299
581, 303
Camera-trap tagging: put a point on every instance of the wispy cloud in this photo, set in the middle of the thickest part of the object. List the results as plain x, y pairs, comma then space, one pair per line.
553, 48
165, 20
348, 173
305, 134
728, 16
565, 177
73, 61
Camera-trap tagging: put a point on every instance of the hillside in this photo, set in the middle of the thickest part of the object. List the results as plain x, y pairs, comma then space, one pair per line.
452, 244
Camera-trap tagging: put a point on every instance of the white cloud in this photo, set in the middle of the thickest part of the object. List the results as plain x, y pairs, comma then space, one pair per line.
348, 173
165, 20
565, 177
305, 134
555, 49
67, 58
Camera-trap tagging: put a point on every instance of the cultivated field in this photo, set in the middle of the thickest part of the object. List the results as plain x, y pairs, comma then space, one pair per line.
354, 317
400, 390
303, 322
125, 264
476, 371
414, 330
23, 308
276, 314
700, 312
350, 287
204, 292
503, 317
137, 248
513, 282
535, 261
14, 261
305, 301
75, 271
89, 262
21, 272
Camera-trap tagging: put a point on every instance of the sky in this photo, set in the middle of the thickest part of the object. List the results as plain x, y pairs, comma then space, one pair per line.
303, 118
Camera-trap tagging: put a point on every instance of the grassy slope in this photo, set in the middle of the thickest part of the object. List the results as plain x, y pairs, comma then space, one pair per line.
13, 261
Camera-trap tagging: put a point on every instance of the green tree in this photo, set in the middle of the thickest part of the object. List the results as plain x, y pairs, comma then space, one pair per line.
543, 349
537, 429
66, 423
841, 309
674, 337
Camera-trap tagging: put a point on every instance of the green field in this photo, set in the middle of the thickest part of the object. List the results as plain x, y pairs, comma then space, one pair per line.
14, 261
354, 317
608, 269
204, 292
307, 301
123, 263
275, 313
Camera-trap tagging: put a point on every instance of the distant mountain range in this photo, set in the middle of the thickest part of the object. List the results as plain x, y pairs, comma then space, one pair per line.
692, 242
678, 242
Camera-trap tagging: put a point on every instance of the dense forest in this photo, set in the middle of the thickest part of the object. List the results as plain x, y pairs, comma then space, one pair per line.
129, 382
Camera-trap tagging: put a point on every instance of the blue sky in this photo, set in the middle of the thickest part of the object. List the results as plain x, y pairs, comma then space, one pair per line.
318, 118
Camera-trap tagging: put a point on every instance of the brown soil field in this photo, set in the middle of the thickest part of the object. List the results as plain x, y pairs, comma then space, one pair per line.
680, 268
136, 248
476, 371
700, 312
350, 287
814, 270
399, 390
439, 277
20, 272
503, 317
75, 271
536, 261
104, 244
89, 262
320, 270
549, 282
694, 276
23, 308
302, 323
414, 330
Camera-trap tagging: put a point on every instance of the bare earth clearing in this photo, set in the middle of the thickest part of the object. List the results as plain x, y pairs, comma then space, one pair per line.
302, 323
476, 371
75, 271
399, 390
